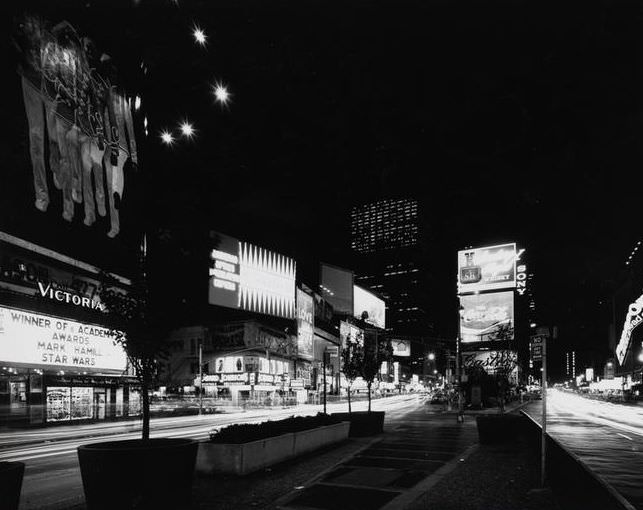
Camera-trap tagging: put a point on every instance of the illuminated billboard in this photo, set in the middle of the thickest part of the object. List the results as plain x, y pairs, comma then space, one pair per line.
364, 301
632, 320
488, 268
487, 317
350, 333
37, 339
336, 286
305, 324
55, 70
401, 347
251, 278
492, 361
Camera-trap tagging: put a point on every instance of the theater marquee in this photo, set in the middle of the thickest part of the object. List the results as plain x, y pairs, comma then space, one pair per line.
37, 339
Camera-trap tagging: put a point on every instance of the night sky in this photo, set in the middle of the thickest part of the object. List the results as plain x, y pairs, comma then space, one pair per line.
509, 121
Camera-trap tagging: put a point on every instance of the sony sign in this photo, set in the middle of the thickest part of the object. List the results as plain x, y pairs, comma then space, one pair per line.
632, 320
69, 297
521, 279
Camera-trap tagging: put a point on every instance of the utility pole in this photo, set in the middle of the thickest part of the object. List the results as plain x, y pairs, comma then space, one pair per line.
325, 355
543, 448
200, 376
460, 416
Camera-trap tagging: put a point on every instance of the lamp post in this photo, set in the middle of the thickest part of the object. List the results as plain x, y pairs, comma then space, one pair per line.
460, 415
200, 376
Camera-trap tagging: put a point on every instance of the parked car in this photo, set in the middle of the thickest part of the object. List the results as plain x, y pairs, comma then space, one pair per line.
438, 398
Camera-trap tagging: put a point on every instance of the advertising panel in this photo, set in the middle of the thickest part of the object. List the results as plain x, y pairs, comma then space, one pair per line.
336, 285
56, 69
488, 268
36, 339
491, 361
251, 278
365, 301
348, 332
401, 347
32, 270
487, 317
632, 320
305, 325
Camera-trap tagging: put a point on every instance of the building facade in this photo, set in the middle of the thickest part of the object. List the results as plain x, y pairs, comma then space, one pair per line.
59, 362
242, 361
386, 242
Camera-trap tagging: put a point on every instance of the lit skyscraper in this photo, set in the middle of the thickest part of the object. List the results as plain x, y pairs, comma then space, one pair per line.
386, 243
384, 225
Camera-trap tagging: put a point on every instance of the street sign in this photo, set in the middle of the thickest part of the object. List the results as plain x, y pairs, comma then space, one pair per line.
536, 347
333, 351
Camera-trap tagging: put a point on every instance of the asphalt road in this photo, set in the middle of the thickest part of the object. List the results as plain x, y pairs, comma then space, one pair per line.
52, 476
607, 436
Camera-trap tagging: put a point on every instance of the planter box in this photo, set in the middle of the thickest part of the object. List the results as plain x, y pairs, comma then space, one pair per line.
313, 439
363, 423
244, 458
135, 473
11, 474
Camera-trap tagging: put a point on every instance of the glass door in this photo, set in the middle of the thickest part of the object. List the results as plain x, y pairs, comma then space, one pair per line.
99, 403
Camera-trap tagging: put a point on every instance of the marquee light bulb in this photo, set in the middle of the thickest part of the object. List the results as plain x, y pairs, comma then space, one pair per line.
167, 138
221, 93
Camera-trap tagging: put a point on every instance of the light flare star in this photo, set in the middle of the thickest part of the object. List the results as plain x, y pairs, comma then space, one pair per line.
167, 138
199, 36
221, 93
187, 129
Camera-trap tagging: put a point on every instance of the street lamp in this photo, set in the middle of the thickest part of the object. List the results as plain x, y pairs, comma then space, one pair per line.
460, 416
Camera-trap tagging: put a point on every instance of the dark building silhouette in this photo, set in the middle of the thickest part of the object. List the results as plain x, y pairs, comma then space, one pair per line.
389, 255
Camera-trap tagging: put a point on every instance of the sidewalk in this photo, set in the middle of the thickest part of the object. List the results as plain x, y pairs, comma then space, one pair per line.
424, 460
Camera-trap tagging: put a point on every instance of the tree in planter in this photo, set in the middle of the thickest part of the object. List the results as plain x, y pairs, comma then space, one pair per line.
140, 328
502, 386
352, 356
375, 352
504, 333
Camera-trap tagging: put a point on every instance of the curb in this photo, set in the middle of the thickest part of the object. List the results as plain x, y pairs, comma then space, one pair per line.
605, 486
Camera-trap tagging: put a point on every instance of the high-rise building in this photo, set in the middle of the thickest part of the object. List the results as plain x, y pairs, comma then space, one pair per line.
386, 241
384, 225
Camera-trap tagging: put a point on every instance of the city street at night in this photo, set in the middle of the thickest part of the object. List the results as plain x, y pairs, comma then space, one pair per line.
52, 478
316, 255
608, 437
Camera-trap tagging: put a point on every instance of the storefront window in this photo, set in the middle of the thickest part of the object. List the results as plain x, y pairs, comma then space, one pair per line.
134, 402
118, 411
58, 403
18, 390
82, 403
99, 403
35, 383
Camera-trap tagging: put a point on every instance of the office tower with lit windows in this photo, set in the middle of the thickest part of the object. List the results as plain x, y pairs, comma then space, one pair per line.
386, 241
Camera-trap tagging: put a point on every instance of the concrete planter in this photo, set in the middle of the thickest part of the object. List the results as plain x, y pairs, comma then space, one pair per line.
241, 459
363, 423
154, 473
11, 474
